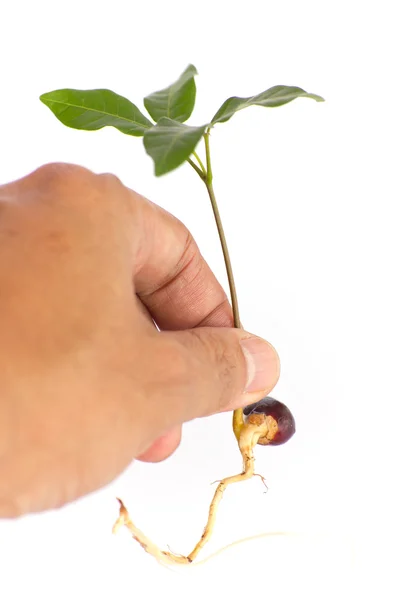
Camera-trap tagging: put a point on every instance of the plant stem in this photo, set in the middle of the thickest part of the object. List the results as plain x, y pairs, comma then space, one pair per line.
197, 169
230, 275
200, 162
238, 417
208, 157
227, 261
207, 177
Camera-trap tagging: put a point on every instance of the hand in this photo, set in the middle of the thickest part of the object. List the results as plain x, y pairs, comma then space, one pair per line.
87, 381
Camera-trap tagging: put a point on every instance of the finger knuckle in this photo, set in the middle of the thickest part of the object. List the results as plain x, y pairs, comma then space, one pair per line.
57, 172
173, 355
221, 352
110, 179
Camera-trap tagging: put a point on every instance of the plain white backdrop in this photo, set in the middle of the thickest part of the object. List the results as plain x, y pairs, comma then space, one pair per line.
315, 200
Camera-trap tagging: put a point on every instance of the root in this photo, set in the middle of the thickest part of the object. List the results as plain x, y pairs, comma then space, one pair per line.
249, 437
294, 534
263, 480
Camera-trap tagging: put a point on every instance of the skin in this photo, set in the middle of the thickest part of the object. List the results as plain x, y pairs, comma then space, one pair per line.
87, 381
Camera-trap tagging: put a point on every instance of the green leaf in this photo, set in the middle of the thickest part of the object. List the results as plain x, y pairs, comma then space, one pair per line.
176, 101
170, 143
275, 96
94, 109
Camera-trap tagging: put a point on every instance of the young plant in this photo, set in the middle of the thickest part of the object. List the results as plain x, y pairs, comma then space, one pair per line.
170, 143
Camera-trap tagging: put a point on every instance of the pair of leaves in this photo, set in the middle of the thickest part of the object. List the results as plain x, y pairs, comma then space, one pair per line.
167, 140
93, 109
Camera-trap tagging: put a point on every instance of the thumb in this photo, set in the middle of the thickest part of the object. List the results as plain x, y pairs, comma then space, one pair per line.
219, 369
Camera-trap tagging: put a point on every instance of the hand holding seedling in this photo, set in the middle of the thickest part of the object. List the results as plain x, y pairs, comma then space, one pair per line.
87, 382
170, 143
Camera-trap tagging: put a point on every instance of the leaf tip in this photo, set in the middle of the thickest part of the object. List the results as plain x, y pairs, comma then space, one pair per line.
159, 171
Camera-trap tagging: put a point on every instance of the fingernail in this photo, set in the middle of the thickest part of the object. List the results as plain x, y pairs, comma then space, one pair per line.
263, 364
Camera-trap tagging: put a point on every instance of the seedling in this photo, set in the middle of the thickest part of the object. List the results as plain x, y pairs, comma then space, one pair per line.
170, 143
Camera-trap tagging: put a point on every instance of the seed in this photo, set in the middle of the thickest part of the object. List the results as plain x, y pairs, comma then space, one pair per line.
280, 413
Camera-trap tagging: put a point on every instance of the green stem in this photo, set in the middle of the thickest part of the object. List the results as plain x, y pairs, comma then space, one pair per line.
197, 169
209, 185
207, 176
227, 261
208, 163
200, 162
238, 417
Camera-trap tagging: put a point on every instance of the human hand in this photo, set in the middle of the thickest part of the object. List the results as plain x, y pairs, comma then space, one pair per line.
87, 381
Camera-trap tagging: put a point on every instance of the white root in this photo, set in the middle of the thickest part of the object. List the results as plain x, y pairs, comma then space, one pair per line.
250, 434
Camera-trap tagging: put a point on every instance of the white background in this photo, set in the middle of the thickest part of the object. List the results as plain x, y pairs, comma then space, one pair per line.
315, 199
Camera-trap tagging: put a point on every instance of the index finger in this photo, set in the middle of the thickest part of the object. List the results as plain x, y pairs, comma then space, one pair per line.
171, 277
